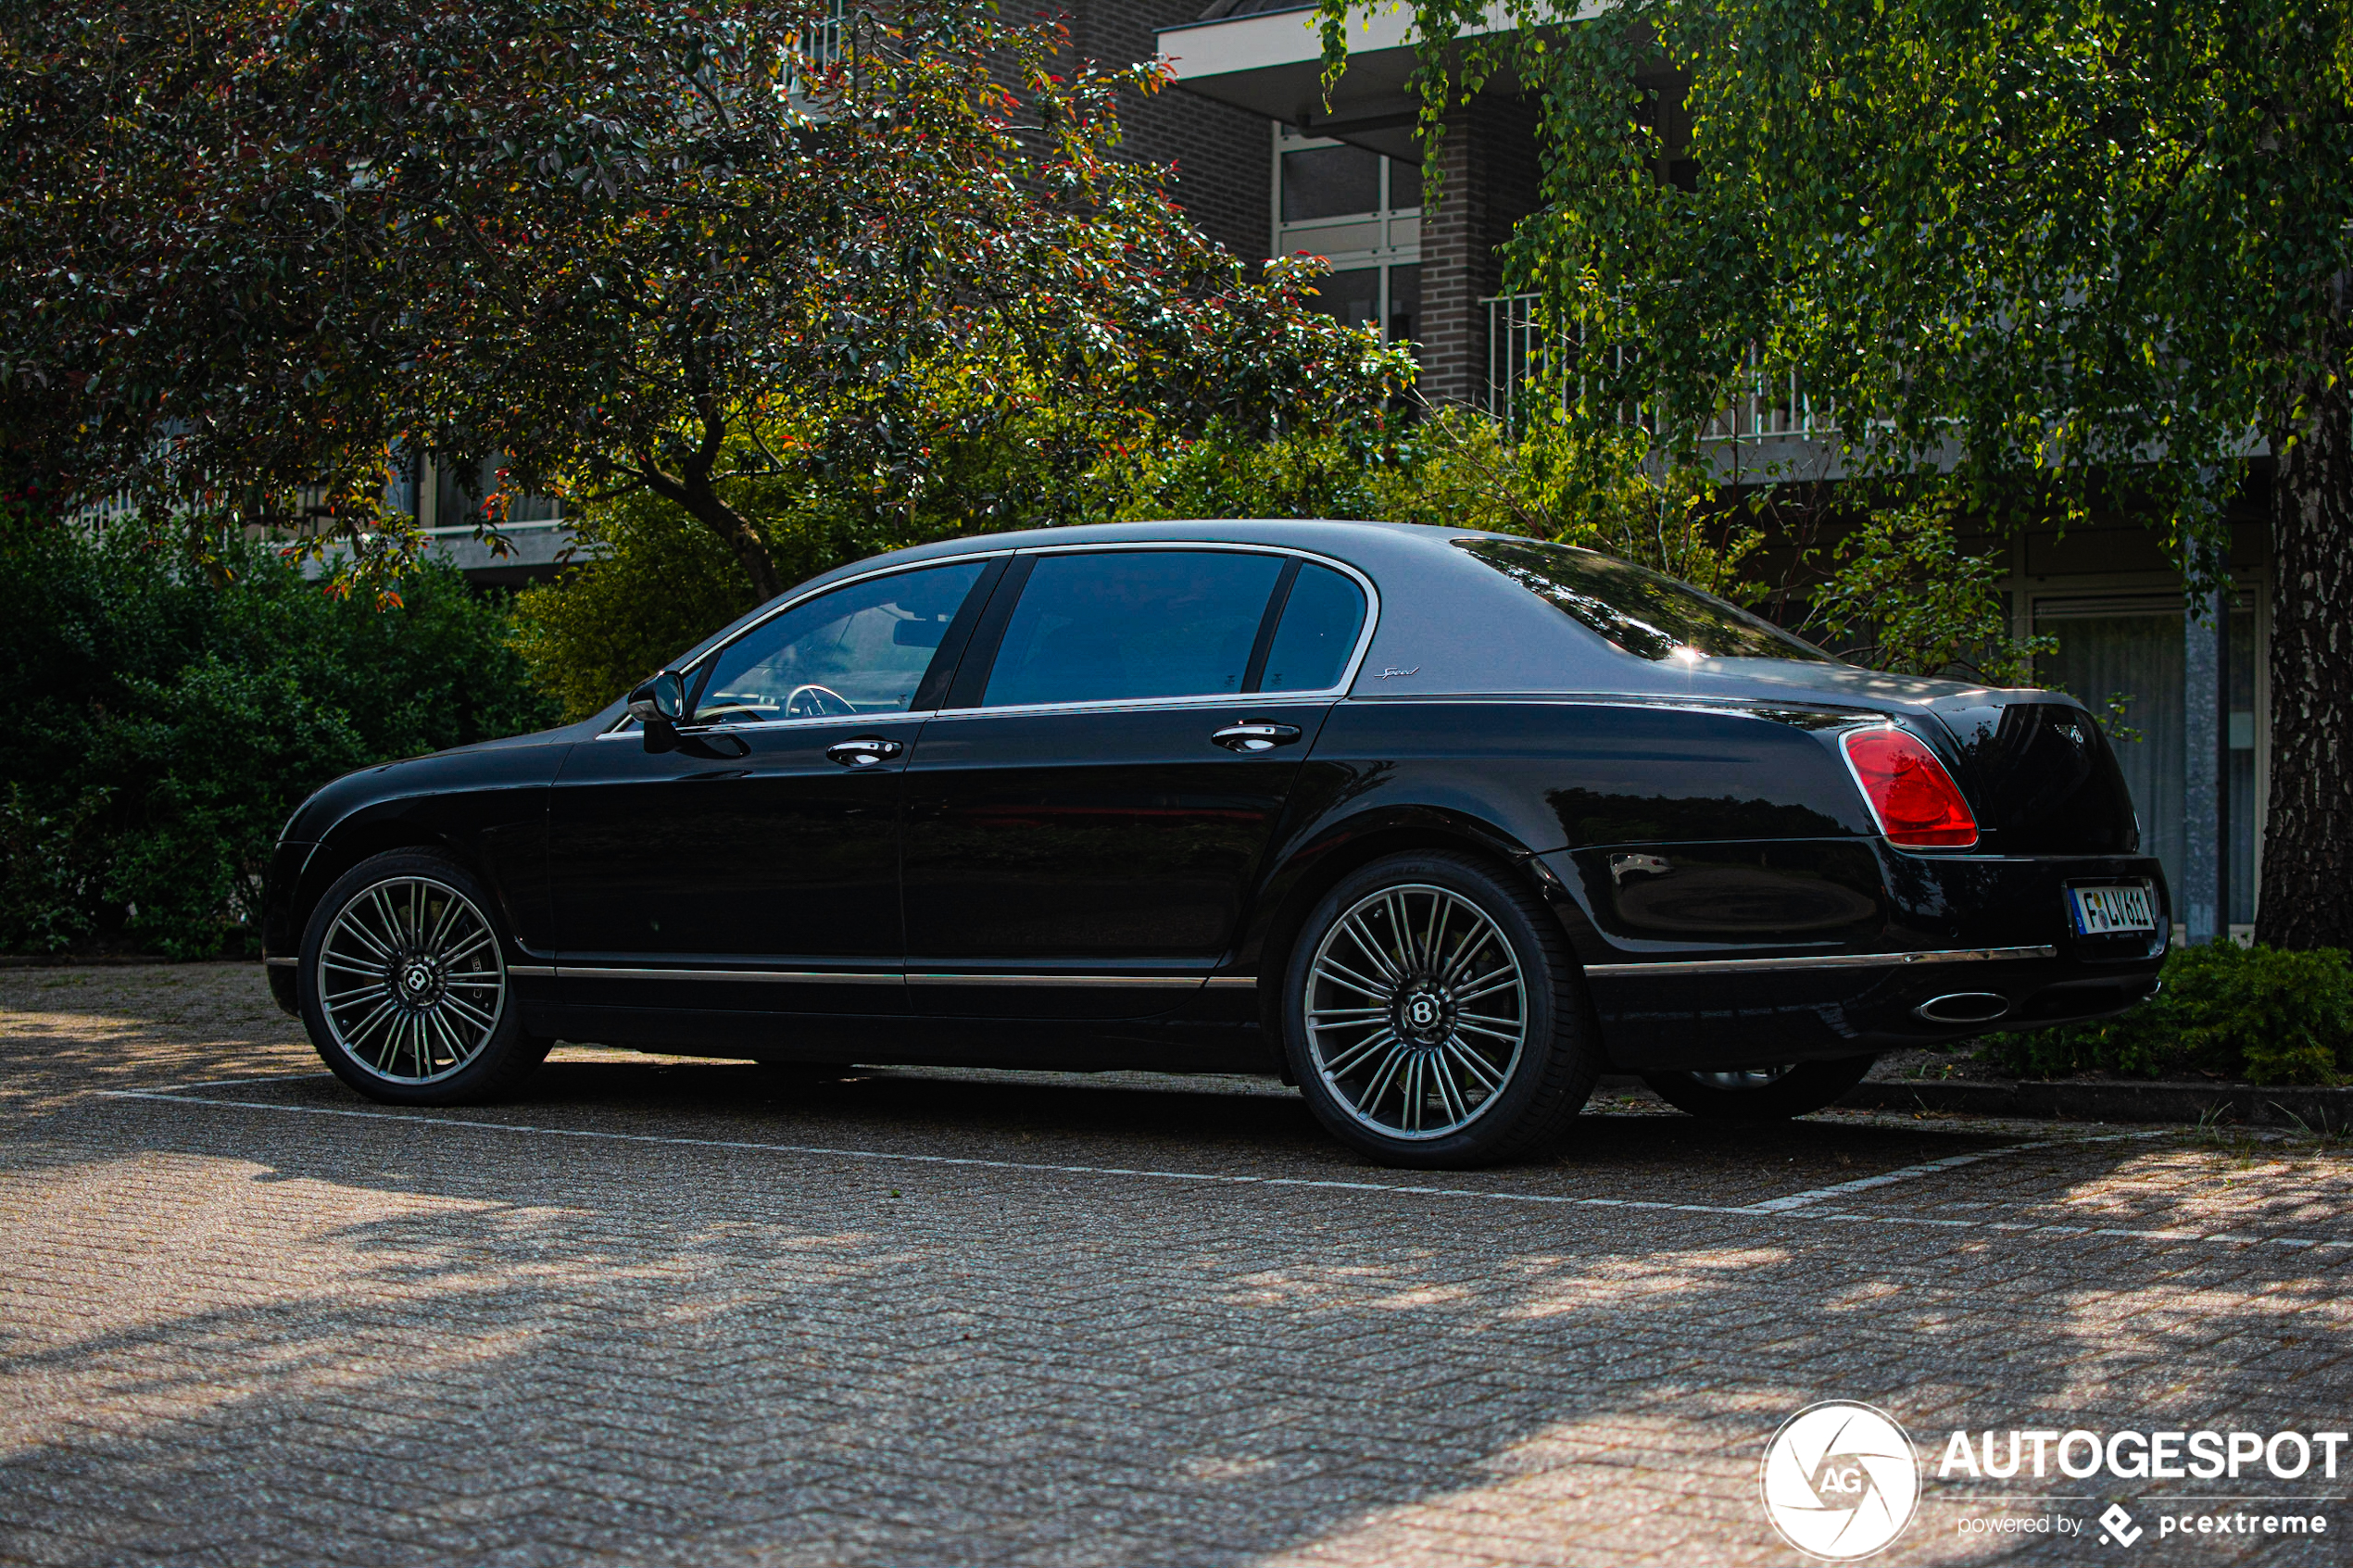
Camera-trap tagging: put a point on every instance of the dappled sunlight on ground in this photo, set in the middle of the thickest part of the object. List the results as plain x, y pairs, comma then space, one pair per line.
664, 1309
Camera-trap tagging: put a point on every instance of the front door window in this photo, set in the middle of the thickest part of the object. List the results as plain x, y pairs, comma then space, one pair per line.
858, 650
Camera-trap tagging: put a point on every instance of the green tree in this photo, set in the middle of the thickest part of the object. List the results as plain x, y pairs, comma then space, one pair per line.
253, 246
651, 584
2080, 252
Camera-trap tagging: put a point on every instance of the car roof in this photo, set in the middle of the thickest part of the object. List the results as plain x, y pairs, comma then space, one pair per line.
1449, 624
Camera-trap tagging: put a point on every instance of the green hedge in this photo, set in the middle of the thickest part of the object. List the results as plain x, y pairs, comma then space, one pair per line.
162, 727
2264, 1014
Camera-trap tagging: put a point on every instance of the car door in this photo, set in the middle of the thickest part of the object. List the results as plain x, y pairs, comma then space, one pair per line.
1085, 816
751, 860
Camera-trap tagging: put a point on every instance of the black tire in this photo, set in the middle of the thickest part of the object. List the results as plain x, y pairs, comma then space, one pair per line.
426, 1046
1427, 1006
1796, 1090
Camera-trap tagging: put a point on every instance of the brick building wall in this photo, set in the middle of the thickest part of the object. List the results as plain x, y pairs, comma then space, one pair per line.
1488, 182
1222, 155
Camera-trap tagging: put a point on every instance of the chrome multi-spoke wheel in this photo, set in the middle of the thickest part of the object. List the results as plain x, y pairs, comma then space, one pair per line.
410, 980
1415, 1011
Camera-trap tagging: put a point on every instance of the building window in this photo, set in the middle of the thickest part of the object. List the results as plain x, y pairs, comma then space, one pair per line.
1334, 182
1363, 212
443, 498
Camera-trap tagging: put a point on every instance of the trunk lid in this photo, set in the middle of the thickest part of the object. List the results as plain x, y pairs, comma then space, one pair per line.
2040, 773
2034, 765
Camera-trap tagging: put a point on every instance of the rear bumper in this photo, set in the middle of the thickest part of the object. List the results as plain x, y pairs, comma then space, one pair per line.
1985, 941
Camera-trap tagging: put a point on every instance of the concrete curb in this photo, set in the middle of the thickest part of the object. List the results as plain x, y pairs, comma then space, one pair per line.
2233, 1104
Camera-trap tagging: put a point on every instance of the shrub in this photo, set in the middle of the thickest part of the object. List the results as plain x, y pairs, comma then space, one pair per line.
2266, 1014
165, 725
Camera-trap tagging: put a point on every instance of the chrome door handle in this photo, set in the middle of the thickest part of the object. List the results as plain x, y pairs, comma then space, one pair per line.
1256, 735
864, 751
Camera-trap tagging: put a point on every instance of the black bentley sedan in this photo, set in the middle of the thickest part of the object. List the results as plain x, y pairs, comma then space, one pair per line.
1438, 826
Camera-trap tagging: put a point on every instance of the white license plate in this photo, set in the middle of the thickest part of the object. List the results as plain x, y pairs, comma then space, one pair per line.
2103, 911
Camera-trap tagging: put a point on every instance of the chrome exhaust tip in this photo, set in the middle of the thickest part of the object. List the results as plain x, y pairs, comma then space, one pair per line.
1963, 1007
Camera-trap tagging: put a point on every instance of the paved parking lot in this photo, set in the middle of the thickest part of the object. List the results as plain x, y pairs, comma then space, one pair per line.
668, 1311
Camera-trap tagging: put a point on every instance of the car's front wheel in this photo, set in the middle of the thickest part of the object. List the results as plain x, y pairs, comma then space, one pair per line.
1760, 1094
403, 984
1434, 1017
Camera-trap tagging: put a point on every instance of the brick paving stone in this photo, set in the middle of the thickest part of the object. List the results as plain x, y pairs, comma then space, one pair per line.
254, 1333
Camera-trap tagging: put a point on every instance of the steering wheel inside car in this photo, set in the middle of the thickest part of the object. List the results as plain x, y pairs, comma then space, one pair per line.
817, 702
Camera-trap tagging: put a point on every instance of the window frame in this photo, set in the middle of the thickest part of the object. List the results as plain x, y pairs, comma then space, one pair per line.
697, 669
694, 669
1392, 251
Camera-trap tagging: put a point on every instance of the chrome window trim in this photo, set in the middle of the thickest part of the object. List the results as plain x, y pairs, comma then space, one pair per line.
1348, 673
1823, 961
621, 730
1127, 705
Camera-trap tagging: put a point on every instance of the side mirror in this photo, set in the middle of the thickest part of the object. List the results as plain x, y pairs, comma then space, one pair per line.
662, 700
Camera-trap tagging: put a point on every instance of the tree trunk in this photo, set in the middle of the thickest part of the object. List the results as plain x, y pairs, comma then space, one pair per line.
702, 503
751, 550
2307, 842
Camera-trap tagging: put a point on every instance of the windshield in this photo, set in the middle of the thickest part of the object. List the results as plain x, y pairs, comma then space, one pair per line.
1644, 612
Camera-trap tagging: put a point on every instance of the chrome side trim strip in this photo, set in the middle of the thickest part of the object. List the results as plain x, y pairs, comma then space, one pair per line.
533, 970
282, 963
768, 976
1142, 982
1823, 961
870, 977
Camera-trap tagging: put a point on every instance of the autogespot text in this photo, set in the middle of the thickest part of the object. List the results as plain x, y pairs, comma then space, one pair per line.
2143, 1456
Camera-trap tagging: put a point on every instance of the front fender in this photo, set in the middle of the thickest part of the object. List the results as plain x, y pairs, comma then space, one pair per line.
485, 804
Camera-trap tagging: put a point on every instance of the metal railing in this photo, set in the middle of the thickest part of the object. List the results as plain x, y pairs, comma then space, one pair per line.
823, 44
1523, 358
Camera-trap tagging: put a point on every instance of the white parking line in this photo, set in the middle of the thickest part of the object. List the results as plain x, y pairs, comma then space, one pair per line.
233, 1083
1745, 1212
1889, 1178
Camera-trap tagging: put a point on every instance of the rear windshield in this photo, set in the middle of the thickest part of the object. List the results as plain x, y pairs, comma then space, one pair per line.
1646, 612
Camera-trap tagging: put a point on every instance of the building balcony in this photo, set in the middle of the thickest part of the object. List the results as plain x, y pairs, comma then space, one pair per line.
1767, 405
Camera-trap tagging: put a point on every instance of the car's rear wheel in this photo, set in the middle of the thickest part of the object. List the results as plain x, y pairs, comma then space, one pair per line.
403, 984
1760, 1094
1434, 1017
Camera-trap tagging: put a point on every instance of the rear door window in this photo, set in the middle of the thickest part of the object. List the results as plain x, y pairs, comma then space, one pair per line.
1123, 625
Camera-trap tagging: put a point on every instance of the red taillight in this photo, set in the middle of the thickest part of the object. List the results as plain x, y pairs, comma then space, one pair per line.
1909, 791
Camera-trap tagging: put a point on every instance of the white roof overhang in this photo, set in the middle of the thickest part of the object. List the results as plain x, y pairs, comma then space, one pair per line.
1272, 63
